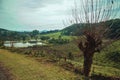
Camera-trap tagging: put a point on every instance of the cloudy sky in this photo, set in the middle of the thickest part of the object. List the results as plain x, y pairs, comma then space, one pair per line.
27, 15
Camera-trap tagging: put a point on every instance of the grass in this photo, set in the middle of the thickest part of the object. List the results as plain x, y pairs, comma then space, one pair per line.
53, 35
103, 59
27, 68
104, 70
57, 34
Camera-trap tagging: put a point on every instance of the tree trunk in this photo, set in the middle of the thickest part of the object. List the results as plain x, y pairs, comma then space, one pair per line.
88, 58
12, 44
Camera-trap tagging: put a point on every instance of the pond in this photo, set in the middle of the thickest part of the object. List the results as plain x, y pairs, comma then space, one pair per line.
21, 44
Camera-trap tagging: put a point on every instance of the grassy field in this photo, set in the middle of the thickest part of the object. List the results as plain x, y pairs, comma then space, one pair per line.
103, 70
53, 35
27, 68
109, 56
24, 67
57, 34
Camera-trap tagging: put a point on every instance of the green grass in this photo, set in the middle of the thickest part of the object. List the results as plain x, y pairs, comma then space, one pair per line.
57, 34
104, 70
101, 63
27, 68
102, 57
52, 35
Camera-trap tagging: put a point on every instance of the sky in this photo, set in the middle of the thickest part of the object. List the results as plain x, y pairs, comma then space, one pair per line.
28, 15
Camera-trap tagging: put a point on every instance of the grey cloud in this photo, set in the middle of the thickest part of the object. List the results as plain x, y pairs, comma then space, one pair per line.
40, 3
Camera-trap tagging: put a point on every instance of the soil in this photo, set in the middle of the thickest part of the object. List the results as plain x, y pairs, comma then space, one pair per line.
4, 73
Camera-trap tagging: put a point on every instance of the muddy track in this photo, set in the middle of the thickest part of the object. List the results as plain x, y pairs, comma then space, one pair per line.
4, 73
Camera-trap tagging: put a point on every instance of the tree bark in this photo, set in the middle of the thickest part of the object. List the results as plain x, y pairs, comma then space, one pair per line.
88, 59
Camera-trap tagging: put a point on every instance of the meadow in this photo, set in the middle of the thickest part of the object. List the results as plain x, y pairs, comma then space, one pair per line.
60, 61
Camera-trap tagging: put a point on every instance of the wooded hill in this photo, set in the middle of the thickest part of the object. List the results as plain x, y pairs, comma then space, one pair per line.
73, 30
76, 29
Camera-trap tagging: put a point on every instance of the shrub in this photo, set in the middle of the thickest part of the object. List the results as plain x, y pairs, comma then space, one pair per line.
78, 70
44, 37
1, 43
70, 56
58, 41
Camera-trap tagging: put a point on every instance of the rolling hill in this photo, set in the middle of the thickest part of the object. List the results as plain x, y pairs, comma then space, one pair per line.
72, 30
76, 29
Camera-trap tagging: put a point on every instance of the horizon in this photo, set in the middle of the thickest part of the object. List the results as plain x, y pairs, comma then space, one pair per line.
45, 29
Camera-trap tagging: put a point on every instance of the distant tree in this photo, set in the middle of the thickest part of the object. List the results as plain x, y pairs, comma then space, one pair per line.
1, 43
48, 32
92, 12
23, 37
59, 41
34, 33
59, 37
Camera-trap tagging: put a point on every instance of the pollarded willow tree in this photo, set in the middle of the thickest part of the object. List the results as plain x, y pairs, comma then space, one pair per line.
93, 14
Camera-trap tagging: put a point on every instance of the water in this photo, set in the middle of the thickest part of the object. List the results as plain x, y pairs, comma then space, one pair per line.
20, 44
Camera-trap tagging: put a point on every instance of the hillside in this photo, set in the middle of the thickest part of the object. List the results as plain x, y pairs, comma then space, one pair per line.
72, 30
76, 29
12, 35
26, 68
59, 61
3, 29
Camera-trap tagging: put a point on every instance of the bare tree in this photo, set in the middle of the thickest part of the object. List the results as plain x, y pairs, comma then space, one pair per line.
93, 14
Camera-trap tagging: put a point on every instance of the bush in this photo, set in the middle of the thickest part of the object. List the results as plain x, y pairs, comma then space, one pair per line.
58, 41
1, 43
78, 70
70, 56
44, 37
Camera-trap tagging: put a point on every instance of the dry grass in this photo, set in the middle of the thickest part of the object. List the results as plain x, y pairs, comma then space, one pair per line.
26, 68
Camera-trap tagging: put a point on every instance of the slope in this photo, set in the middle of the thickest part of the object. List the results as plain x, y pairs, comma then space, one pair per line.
27, 68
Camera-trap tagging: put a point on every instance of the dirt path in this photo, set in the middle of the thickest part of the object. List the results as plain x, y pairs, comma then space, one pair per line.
4, 73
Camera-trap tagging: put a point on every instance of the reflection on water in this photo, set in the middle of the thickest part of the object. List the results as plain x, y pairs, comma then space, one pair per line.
20, 44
